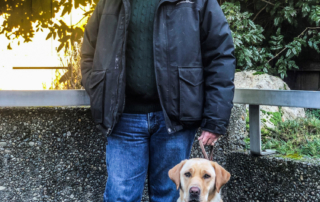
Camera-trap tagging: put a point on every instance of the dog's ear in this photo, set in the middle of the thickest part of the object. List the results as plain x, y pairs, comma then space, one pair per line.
222, 176
174, 173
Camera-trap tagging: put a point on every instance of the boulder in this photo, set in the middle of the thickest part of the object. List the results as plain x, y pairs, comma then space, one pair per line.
256, 80
291, 113
269, 114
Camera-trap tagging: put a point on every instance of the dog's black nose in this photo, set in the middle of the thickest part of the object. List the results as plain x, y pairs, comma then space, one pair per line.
195, 191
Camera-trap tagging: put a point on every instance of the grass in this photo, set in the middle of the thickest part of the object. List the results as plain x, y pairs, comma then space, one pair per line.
258, 73
314, 112
276, 117
293, 138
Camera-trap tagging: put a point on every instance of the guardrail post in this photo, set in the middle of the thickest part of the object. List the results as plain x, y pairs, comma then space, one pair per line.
255, 132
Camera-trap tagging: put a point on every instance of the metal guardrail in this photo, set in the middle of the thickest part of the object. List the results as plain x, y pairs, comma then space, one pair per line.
40, 98
253, 97
28, 68
284, 98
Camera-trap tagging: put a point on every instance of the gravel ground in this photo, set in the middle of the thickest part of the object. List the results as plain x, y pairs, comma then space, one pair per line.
272, 178
58, 154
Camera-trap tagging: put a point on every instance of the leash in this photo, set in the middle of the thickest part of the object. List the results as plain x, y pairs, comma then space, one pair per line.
205, 155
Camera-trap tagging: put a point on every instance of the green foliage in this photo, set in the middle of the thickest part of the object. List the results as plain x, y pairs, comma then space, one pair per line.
270, 35
301, 137
314, 14
295, 156
293, 138
313, 113
258, 73
247, 142
248, 37
264, 132
20, 15
284, 87
247, 120
276, 118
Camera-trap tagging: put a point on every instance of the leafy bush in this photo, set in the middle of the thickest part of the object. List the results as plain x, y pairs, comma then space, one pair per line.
248, 38
270, 35
293, 138
313, 112
298, 137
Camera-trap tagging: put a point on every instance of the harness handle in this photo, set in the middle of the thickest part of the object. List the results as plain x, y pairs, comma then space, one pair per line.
205, 155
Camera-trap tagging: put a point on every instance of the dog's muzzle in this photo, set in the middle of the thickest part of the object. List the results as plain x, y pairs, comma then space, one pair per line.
194, 194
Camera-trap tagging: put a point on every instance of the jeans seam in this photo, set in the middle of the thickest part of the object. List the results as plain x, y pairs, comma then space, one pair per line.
148, 117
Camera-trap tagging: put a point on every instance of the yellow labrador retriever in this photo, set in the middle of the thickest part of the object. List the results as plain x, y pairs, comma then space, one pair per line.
199, 180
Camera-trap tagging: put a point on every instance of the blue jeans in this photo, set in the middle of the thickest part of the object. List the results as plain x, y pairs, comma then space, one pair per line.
140, 145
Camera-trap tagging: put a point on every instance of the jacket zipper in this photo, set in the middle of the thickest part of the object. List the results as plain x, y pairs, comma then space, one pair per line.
169, 127
119, 84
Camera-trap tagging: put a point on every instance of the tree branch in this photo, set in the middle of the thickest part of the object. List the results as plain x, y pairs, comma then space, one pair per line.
260, 12
300, 35
268, 2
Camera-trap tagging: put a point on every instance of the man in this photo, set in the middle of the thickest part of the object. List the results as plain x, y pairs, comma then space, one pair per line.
155, 71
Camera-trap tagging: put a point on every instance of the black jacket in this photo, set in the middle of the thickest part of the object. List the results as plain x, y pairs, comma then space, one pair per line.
193, 59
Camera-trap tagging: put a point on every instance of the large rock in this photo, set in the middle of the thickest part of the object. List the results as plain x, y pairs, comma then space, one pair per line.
269, 114
290, 113
252, 79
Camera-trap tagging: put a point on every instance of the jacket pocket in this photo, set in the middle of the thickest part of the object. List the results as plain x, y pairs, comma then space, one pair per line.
96, 89
191, 93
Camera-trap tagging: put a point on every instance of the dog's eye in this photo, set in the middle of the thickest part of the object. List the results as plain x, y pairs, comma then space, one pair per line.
188, 174
206, 176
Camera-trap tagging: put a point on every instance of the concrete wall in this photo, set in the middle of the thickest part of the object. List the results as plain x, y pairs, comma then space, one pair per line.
57, 154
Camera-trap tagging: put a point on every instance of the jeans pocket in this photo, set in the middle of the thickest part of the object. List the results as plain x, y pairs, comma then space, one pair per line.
191, 93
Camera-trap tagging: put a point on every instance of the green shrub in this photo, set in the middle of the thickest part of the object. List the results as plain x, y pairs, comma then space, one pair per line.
276, 117
313, 112
293, 138
270, 35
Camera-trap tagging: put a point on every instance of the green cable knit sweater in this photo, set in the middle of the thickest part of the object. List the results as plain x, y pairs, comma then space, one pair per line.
141, 90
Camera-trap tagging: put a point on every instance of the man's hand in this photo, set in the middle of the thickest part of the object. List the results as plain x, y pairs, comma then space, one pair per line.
208, 138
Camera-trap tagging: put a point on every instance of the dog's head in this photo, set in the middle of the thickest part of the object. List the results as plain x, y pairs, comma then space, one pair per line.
199, 179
